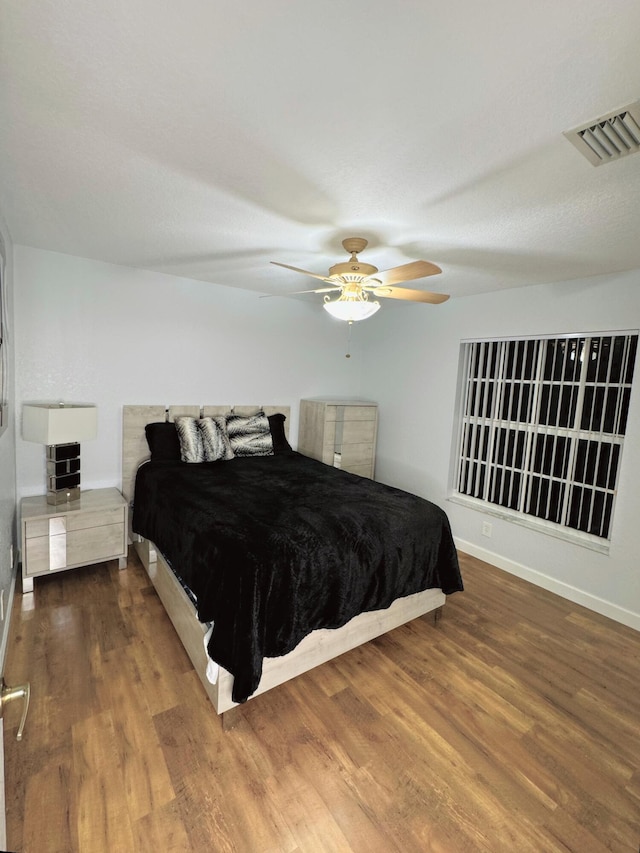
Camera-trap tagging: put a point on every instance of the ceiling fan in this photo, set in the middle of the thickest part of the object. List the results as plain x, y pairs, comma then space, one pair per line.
355, 280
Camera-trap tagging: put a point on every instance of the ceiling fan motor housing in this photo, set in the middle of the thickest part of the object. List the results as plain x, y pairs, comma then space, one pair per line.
352, 266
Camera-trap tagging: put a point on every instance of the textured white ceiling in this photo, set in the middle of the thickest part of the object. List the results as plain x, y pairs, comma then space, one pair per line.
207, 137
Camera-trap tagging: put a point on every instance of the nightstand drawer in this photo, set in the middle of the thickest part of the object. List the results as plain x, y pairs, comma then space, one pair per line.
77, 547
53, 525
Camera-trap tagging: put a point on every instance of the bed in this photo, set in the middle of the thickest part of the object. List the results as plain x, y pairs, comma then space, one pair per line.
283, 555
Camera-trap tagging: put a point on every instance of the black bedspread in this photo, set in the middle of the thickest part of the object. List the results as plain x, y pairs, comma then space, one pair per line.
275, 547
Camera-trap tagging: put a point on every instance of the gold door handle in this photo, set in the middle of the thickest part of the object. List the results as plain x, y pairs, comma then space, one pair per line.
7, 694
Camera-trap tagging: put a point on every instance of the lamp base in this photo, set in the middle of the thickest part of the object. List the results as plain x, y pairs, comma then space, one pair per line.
62, 497
63, 474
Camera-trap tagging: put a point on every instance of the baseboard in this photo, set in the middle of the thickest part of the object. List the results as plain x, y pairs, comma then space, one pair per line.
3, 823
6, 624
4, 641
571, 593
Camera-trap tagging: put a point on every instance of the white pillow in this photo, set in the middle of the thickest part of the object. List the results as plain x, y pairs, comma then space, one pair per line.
215, 439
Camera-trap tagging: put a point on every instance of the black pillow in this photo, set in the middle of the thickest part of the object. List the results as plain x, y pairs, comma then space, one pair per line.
276, 425
163, 442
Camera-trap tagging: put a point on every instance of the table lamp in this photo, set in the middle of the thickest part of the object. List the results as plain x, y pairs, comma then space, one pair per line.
61, 426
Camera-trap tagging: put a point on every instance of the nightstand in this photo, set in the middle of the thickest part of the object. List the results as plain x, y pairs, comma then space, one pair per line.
91, 530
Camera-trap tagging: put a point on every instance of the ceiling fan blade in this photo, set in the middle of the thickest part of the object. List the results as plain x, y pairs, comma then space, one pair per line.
317, 290
410, 295
304, 272
297, 292
406, 272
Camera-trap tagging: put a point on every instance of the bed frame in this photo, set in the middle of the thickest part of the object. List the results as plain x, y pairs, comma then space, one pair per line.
315, 649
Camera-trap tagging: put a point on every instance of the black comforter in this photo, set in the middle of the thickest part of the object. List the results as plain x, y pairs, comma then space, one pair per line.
275, 547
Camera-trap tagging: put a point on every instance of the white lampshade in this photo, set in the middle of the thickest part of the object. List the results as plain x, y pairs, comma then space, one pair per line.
59, 423
351, 309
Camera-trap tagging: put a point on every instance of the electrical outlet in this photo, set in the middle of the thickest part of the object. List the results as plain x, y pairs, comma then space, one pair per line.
487, 529
11, 556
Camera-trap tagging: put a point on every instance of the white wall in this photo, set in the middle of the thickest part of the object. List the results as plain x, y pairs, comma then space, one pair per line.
95, 332
412, 362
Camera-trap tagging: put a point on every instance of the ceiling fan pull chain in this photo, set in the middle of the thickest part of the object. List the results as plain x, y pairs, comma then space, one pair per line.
349, 325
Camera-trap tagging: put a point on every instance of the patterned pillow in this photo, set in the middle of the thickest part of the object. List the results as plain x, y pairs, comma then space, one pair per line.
250, 435
190, 437
215, 439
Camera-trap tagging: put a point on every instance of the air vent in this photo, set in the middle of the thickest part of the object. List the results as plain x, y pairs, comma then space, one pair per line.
609, 138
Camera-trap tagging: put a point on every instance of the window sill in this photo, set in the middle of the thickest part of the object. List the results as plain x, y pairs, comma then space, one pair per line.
576, 537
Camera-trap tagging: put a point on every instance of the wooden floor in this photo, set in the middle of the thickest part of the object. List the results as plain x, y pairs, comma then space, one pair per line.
511, 726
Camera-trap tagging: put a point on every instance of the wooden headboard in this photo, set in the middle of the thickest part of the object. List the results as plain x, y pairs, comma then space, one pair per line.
135, 450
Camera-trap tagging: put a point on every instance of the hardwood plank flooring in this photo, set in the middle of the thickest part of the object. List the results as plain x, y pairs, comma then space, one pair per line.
512, 725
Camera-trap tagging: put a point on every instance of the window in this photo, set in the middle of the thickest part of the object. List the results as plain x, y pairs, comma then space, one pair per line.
542, 424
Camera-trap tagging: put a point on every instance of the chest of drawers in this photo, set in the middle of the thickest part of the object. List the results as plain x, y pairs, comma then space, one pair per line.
340, 432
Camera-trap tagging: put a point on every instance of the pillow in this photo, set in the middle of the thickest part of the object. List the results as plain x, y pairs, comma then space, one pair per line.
204, 440
250, 435
215, 439
190, 438
278, 437
163, 442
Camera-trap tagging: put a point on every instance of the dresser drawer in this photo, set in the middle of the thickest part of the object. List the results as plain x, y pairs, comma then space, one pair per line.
357, 455
351, 413
348, 432
360, 470
358, 432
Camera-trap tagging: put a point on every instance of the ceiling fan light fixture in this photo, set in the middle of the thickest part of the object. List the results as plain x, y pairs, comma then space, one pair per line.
350, 306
